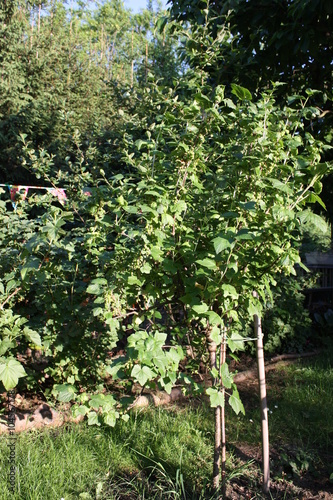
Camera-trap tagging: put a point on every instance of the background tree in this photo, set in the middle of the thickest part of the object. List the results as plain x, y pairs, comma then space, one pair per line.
66, 70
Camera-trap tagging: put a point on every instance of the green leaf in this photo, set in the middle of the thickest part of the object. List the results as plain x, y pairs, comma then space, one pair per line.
216, 397
227, 378
10, 285
78, 410
98, 311
99, 281
161, 23
280, 186
146, 268
10, 371
221, 244
308, 217
245, 234
142, 374
200, 309
249, 206
235, 342
235, 402
179, 207
32, 336
156, 253
167, 384
94, 289
167, 219
65, 392
215, 335
111, 418
214, 318
241, 92
32, 264
254, 307
314, 198
93, 418
139, 143
116, 366
6, 344
96, 401
175, 355
134, 280
230, 291
209, 263
102, 400
203, 100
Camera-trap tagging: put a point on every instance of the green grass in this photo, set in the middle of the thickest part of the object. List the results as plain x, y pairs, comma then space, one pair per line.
65, 463
300, 400
167, 453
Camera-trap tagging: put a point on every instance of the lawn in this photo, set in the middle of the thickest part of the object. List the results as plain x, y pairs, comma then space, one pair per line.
167, 453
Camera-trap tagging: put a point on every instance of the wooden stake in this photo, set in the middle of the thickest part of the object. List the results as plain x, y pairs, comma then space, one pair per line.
263, 400
218, 443
223, 353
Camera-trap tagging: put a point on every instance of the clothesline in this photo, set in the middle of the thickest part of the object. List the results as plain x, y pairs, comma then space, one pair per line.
30, 187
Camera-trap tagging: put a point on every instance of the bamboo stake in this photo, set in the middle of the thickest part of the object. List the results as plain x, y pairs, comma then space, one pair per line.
223, 353
217, 445
217, 449
263, 400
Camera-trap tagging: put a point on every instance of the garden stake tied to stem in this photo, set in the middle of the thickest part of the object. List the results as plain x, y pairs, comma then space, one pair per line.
263, 400
220, 438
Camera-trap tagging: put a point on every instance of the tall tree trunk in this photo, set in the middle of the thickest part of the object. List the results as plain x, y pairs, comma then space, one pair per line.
38, 28
32, 32
132, 62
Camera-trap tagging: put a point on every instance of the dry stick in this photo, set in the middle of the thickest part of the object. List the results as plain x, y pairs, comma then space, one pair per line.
9, 297
263, 400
